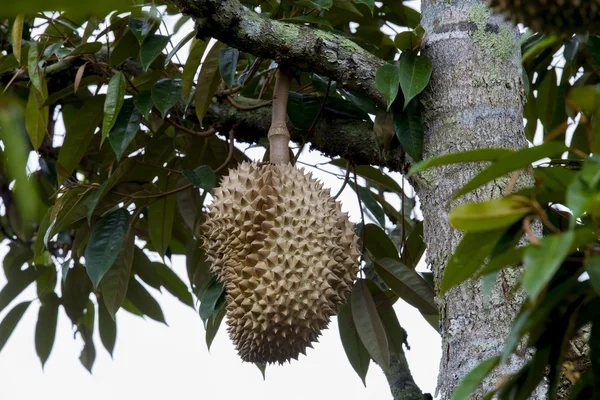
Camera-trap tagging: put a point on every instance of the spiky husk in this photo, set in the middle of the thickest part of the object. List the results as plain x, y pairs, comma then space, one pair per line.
567, 16
286, 255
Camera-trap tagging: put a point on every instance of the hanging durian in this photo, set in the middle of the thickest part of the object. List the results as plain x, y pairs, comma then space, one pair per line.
283, 249
564, 16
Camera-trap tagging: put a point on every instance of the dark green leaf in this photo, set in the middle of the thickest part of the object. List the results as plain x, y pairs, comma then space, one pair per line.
145, 269
127, 46
228, 59
387, 79
541, 262
143, 102
86, 329
152, 48
125, 128
10, 321
517, 160
86, 48
208, 81
165, 94
302, 109
370, 203
326, 4
355, 350
179, 45
144, 301
474, 378
45, 328
106, 241
368, 324
414, 247
415, 72
107, 327
201, 177
18, 282
99, 193
116, 280
191, 66
409, 128
378, 243
212, 326
161, 215
407, 283
209, 300
36, 116
114, 101
368, 3
395, 334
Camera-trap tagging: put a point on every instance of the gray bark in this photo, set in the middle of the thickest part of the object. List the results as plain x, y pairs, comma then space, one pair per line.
474, 100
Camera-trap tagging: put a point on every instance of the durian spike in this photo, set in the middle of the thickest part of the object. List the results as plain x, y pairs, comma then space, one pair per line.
279, 136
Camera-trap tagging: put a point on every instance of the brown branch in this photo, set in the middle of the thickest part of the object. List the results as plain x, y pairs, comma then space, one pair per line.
303, 47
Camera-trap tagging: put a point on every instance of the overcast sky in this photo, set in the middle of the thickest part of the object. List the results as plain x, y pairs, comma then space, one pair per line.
154, 362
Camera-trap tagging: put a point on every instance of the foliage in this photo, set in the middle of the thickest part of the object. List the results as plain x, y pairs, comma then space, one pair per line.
125, 182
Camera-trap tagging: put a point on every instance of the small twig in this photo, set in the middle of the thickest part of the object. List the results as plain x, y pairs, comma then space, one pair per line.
345, 181
530, 235
246, 108
253, 69
224, 92
230, 153
513, 181
363, 239
209, 132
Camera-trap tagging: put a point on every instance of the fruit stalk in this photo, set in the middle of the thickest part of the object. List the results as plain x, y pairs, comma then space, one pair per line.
279, 136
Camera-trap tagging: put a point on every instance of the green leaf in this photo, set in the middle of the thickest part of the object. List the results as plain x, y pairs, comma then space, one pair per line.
228, 59
395, 334
152, 48
36, 116
210, 299
378, 244
161, 214
370, 203
17, 35
474, 378
468, 257
368, 3
105, 243
590, 173
144, 301
86, 48
142, 23
415, 72
143, 102
127, 46
302, 109
125, 128
33, 68
174, 284
542, 262
308, 19
372, 175
17, 283
212, 326
406, 41
145, 269
114, 101
578, 198
179, 45
165, 94
368, 324
201, 177
488, 215
516, 160
100, 192
79, 134
208, 81
45, 328
107, 327
75, 9
116, 280
10, 321
387, 79
414, 247
355, 350
407, 284
408, 125
191, 66
478, 155
86, 329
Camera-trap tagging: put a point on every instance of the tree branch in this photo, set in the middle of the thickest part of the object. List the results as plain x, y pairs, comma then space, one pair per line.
302, 47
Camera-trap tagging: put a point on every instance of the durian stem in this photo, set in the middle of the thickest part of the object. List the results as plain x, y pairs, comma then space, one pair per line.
279, 136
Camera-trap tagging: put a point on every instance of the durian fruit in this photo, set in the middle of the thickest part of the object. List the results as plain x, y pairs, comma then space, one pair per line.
567, 16
286, 255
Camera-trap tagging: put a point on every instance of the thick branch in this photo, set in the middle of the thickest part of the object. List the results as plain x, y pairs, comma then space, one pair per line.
305, 48
351, 139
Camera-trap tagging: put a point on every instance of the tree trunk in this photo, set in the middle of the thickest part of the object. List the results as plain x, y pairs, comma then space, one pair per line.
474, 100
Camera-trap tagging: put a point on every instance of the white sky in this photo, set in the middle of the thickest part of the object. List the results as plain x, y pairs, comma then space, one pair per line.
156, 362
